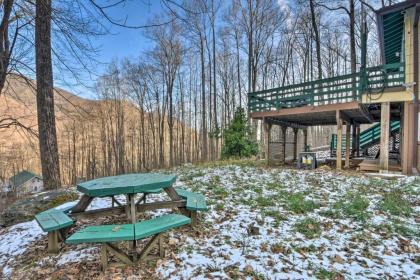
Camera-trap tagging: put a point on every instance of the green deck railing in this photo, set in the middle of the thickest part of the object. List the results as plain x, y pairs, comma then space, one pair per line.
367, 138
340, 89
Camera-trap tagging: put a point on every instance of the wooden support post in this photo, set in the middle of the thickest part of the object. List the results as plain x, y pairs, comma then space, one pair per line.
83, 203
305, 139
267, 136
194, 219
171, 192
53, 241
408, 140
339, 141
104, 257
354, 139
133, 221
347, 163
161, 248
284, 131
295, 137
384, 144
358, 140
127, 207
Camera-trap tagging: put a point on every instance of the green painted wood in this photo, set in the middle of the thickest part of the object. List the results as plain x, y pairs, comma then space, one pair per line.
53, 219
195, 201
368, 137
340, 89
158, 190
103, 233
393, 34
127, 232
126, 184
157, 225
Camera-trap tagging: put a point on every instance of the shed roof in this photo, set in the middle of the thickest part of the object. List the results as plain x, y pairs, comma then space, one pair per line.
22, 177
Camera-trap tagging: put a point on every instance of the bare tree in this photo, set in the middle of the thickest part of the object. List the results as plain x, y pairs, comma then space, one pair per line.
45, 97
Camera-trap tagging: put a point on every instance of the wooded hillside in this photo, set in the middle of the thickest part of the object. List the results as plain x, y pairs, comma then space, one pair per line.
95, 137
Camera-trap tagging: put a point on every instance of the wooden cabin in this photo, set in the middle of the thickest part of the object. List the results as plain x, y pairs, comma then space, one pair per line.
385, 96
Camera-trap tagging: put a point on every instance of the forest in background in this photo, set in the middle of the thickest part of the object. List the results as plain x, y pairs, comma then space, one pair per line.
171, 104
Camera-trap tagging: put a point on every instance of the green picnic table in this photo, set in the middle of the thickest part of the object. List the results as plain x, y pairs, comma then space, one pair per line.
57, 223
129, 185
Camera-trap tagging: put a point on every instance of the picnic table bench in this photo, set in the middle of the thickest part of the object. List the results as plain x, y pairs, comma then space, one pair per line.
55, 222
106, 234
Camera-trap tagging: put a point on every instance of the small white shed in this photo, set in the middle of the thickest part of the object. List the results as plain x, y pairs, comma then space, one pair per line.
26, 182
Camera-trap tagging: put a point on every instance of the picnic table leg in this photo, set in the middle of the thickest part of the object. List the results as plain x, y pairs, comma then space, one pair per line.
174, 196
128, 207
53, 241
141, 199
194, 218
83, 203
161, 248
132, 203
104, 257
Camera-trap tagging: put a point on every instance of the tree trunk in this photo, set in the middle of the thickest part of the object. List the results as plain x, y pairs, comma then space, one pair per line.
216, 125
317, 39
45, 97
5, 47
352, 37
204, 152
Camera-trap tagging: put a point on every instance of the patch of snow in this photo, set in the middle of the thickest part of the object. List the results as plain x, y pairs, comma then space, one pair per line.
66, 204
14, 242
229, 247
77, 255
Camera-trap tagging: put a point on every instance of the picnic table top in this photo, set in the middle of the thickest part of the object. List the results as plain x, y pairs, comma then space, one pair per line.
126, 184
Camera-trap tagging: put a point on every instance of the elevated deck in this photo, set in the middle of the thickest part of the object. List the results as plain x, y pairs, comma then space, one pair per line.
317, 102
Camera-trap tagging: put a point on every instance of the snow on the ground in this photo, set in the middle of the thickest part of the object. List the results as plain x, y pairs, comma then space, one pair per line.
250, 232
14, 241
278, 251
77, 255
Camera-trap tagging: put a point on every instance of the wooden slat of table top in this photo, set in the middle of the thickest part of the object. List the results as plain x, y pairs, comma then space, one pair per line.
104, 233
125, 184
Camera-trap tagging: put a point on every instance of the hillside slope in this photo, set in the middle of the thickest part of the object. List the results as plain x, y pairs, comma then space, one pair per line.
95, 137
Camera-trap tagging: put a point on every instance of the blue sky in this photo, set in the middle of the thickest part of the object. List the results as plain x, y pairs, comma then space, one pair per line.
121, 42
125, 42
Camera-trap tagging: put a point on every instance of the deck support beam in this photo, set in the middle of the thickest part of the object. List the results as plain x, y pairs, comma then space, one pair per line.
354, 139
358, 140
408, 142
295, 137
267, 137
283, 130
384, 144
305, 139
339, 140
347, 162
